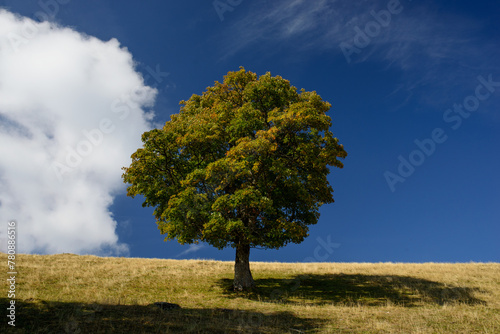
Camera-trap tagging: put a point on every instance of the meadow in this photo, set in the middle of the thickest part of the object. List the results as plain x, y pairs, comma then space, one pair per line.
68, 293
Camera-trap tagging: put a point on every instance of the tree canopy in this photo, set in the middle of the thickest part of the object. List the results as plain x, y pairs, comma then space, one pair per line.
245, 164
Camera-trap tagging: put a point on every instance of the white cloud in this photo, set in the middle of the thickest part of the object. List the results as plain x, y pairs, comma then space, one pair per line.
442, 50
72, 110
192, 248
304, 24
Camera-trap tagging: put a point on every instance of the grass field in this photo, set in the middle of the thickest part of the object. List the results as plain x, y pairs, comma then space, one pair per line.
88, 294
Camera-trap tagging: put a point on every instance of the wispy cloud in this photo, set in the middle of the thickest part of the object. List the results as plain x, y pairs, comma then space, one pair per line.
431, 47
277, 22
192, 248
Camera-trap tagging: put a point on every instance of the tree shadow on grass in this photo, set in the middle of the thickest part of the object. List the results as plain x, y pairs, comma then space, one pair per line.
368, 290
38, 316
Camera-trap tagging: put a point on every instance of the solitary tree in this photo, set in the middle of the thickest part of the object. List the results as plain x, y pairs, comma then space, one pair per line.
243, 165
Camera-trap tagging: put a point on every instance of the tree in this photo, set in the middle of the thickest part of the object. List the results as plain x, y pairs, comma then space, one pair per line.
243, 165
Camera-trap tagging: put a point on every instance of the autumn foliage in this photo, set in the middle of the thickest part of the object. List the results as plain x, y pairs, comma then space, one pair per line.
243, 165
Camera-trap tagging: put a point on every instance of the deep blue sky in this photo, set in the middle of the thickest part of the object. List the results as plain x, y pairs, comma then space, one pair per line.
395, 90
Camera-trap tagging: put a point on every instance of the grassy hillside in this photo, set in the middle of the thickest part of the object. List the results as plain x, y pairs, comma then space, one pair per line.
88, 294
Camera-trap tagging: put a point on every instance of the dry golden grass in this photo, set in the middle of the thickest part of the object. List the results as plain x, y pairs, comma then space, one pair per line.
88, 294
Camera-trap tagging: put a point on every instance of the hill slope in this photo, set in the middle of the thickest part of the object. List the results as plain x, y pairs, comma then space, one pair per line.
87, 294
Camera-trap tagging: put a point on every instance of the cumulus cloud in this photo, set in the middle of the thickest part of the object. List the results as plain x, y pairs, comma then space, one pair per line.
72, 110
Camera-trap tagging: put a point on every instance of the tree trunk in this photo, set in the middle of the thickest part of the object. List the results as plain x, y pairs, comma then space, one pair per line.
243, 279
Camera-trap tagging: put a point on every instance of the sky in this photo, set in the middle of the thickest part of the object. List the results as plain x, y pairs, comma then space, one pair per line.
415, 94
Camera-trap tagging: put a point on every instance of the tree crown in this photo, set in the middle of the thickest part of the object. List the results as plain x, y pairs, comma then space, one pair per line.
245, 162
